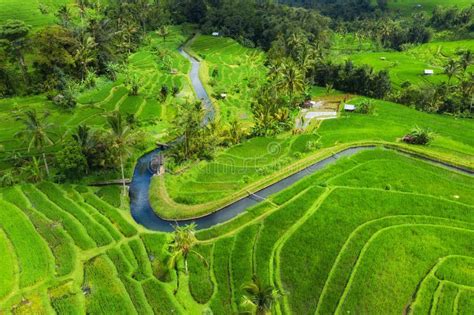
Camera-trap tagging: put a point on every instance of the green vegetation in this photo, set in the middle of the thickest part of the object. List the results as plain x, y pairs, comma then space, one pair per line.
150, 112
87, 87
407, 7
408, 65
397, 204
206, 186
232, 74
34, 13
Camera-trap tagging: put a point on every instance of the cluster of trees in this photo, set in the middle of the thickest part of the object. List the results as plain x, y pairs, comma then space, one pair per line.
257, 297
342, 9
86, 150
197, 140
387, 32
453, 96
89, 39
253, 23
453, 18
347, 77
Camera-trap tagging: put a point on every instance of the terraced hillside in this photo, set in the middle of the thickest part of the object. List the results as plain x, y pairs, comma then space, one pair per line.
373, 226
70, 252
230, 69
156, 64
408, 7
245, 167
408, 65
29, 11
379, 224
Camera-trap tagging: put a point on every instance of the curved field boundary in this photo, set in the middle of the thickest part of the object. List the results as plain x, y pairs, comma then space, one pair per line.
371, 240
209, 214
240, 201
333, 273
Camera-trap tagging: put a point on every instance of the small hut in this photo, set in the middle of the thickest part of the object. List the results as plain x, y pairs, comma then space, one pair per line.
428, 72
349, 107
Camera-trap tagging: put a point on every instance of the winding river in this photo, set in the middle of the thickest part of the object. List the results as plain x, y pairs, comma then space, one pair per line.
143, 213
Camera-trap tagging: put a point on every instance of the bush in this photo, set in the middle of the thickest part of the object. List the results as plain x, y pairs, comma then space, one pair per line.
164, 91
65, 100
175, 90
367, 107
71, 162
420, 136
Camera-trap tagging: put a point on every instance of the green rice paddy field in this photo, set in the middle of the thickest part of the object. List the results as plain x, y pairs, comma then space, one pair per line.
409, 7
29, 11
245, 167
152, 64
408, 65
389, 234
238, 73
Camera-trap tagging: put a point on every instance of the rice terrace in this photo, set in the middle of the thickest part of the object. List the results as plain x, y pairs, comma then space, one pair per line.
237, 157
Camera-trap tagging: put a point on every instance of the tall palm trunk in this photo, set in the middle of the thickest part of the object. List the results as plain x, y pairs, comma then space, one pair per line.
21, 61
46, 165
123, 176
177, 279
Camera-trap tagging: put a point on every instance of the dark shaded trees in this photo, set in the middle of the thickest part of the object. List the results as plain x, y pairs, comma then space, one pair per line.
13, 37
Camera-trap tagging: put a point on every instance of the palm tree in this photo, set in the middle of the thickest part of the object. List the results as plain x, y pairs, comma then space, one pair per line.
85, 54
466, 60
235, 133
37, 131
32, 171
291, 79
163, 32
451, 69
83, 137
181, 247
15, 33
260, 297
121, 140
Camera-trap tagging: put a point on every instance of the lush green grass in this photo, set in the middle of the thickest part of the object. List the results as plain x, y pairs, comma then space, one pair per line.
409, 65
401, 225
409, 7
152, 64
34, 257
316, 254
29, 12
205, 186
238, 72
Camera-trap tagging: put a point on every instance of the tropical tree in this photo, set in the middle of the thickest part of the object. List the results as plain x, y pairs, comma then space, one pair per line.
467, 59
64, 15
85, 54
163, 32
13, 35
260, 297
418, 135
290, 79
37, 131
122, 139
181, 246
31, 170
451, 69
7, 178
235, 133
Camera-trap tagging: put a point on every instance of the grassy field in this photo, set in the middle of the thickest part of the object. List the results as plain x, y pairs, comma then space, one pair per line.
408, 65
232, 69
409, 7
29, 11
380, 224
153, 64
205, 186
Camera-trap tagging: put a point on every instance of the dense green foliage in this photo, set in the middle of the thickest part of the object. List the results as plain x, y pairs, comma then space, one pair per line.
87, 87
